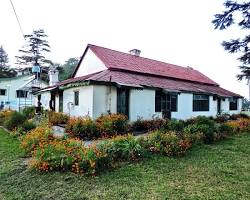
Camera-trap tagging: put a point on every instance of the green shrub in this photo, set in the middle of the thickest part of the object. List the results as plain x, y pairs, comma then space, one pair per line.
113, 124
147, 125
82, 127
28, 125
125, 148
167, 143
222, 118
193, 132
61, 155
223, 131
36, 137
175, 125
225, 128
200, 120
202, 125
56, 118
17, 132
243, 115
4, 115
14, 120
29, 112
207, 127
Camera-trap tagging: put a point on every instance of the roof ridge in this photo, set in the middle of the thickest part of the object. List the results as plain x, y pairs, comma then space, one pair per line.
142, 57
162, 69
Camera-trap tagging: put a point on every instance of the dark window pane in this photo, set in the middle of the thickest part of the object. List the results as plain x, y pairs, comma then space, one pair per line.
76, 98
61, 101
157, 101
2, 92
174, 100
233, 104
21, 94
123, 101
165, 102
200, 102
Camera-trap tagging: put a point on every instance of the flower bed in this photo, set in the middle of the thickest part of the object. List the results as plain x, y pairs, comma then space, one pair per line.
53, 154
56, 118
174, 138
103, 127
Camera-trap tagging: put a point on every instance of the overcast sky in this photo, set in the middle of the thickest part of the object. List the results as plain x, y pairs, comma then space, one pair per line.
174, 31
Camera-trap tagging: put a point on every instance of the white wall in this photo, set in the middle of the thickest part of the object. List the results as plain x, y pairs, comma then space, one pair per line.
11, 85
185, 107
90, 64
96, 100
104, 100
142, 104
45, 98
85, 106
225, 107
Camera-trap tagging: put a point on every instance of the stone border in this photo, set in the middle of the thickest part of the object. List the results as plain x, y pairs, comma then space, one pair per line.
5, 129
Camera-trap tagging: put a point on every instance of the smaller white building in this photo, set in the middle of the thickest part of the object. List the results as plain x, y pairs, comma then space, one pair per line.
16, 92
108, 81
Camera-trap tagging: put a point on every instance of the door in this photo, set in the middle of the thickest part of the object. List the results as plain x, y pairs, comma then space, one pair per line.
61, 101
123, 101
219, 106
166, 107
52, 103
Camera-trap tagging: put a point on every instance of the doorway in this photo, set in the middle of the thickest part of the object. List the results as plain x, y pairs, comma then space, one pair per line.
219, 106
123, 101
52, 103
60, 101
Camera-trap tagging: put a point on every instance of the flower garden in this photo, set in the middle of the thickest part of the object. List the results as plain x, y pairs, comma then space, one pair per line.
116, 143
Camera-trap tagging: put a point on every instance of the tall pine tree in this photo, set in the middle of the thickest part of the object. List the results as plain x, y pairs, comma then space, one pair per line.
5, 70
236, 13
35, 52
4, 60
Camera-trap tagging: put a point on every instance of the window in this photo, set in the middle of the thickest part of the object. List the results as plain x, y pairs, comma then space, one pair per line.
174, 100
200, 102
21, 94
76, 98
158, 101
165, 101
233, 104
2, 92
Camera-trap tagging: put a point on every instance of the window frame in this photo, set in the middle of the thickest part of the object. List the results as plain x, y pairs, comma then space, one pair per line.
18, 92
158, 101
233, 105
4, 92
76, 100
201, 101
174, 96
162, 99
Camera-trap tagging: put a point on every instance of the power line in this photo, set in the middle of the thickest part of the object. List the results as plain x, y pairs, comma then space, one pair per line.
19, 24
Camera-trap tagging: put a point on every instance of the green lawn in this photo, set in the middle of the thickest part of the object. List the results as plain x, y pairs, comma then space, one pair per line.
219, 171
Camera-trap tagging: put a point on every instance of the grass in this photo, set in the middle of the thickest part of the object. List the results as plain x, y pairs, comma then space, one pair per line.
219, 171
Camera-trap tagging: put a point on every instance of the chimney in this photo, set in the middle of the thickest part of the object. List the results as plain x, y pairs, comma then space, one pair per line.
53, 76
135, 52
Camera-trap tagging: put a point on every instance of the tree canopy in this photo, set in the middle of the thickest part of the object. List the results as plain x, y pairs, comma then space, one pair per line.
236, 14
34, 50
68, 68
5, 70
4, 60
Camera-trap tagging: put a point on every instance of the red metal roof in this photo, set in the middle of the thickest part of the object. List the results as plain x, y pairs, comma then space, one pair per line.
129, 78
152, 81
125, 61
130, 70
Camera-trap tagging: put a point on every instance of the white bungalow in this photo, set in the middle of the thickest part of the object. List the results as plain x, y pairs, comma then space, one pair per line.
109, 81
16, 92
